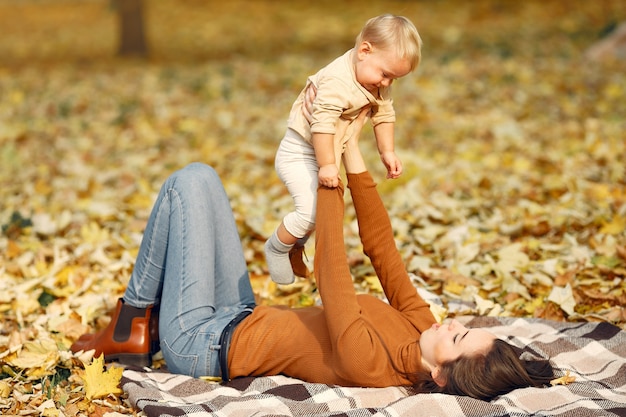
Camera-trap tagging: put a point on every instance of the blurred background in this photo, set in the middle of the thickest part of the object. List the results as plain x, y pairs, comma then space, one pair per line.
511, 129
39, 31
512, 135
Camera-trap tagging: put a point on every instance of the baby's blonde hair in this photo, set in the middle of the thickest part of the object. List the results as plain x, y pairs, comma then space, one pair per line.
389, 31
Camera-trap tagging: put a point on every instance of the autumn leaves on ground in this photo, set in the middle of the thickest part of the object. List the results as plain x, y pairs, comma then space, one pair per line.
512, 202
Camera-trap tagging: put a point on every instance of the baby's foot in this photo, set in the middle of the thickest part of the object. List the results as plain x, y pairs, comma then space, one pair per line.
277, 258
297, 263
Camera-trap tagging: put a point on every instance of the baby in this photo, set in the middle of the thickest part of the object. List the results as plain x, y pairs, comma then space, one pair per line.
388, 47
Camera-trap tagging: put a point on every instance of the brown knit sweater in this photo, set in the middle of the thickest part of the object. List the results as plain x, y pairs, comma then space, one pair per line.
354, 340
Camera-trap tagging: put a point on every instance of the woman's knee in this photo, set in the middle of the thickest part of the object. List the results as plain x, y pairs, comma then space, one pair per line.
196, 177
196, 170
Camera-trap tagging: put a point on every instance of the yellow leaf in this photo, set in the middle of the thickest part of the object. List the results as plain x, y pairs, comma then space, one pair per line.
93, 233
5, 389
600, 193
48, 409
38, 357
374, 284
13, 250
454, 287
533, 305
512, 258
100, 382
564, 380
615, 227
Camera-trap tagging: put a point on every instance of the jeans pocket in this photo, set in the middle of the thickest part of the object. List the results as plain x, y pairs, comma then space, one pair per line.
177, 363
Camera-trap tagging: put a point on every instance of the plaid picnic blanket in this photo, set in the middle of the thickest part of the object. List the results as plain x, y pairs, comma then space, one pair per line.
594, 353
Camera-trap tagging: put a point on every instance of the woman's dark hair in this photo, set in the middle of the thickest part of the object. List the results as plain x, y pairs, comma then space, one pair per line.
485, 376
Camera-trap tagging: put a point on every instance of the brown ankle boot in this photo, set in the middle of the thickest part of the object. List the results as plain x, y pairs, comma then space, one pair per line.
155, 342
297, 263
125, 340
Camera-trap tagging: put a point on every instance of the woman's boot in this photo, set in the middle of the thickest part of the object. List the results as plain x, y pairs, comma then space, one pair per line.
125, 340
155, 341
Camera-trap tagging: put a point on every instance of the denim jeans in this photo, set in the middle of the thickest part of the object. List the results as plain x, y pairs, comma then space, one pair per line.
191, 263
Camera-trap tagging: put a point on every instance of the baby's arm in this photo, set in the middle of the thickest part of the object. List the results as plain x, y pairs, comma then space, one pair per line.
324, 145
384, 133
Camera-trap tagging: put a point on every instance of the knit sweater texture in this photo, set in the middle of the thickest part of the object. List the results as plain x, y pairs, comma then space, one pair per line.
353, 340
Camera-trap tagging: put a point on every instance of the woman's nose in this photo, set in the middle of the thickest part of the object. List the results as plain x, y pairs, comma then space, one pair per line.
454, 324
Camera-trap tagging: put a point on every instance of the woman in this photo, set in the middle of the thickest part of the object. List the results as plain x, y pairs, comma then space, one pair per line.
191, 266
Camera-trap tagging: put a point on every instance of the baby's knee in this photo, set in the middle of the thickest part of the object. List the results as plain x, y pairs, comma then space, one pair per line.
299, 224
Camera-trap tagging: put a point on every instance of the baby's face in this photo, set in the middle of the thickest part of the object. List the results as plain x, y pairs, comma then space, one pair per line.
376, 68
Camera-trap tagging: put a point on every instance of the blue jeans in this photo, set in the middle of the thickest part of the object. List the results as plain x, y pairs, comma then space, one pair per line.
191, 263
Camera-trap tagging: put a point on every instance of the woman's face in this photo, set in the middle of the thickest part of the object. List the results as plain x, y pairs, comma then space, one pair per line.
447, 342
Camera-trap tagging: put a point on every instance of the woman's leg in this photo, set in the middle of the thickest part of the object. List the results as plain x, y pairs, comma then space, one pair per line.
191, 231
191, 263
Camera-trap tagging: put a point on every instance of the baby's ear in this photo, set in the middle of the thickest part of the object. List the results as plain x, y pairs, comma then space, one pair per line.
437, 377
364, 49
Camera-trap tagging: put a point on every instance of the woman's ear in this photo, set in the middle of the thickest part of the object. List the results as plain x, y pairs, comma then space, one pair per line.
439, 379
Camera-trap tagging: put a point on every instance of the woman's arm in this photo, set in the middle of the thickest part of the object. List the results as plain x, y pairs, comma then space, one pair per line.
352, 157
379, 245
377, 236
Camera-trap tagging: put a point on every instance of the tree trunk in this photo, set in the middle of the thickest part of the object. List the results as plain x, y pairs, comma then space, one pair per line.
131, 28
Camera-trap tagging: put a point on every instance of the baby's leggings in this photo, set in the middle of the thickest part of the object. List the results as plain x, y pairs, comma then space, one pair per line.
297, 167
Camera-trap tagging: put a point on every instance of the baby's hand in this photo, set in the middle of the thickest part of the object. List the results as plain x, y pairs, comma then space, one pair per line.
329, 176
392, 163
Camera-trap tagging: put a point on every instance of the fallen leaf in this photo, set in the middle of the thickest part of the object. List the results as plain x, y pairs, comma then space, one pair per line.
511, 258
99, 382
615, 226
564, 380
564, 298
5, 389
38, 358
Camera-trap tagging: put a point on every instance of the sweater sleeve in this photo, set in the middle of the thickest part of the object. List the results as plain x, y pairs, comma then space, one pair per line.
384, 110
379, 245
358, 351
332, 273
356, 348
329, 104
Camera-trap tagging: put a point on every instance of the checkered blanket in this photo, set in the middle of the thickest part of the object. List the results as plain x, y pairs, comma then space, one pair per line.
593, 353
